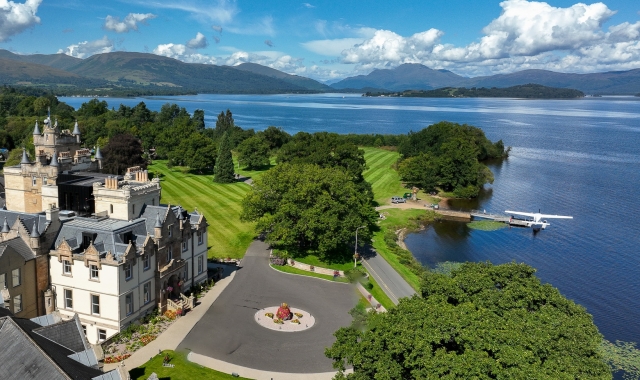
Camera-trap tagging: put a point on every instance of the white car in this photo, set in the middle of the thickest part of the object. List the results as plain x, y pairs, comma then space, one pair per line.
398, 200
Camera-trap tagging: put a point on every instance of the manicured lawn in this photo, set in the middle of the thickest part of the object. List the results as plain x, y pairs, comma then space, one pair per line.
384, 180
220, 204
315, 261
182, 370
289, 269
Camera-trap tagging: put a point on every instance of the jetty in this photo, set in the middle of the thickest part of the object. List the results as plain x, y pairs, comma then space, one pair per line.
476, 214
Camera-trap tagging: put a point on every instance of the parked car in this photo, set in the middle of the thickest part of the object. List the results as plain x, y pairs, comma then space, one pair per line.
398, 200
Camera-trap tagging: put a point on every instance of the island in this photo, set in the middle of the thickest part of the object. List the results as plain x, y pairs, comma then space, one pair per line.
526, 91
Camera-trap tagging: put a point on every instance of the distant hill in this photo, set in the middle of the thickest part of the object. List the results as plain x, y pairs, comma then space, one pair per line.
525, 91
57, 61
419, 77
293, 79
404, 77
30, 74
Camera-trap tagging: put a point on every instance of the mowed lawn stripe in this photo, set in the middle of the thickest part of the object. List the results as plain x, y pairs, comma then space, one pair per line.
221, 205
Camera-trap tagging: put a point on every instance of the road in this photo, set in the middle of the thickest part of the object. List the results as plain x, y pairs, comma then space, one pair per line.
228, 331
389, 280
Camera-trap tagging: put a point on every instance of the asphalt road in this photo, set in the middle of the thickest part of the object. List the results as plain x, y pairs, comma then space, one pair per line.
229, 333
389, 280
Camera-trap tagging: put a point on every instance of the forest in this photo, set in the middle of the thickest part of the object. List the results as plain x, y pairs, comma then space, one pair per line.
525, 91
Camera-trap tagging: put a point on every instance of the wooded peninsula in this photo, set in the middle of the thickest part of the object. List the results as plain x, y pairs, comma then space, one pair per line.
526, 91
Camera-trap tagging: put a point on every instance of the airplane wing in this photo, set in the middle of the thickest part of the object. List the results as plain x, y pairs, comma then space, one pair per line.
544, 216
530, 214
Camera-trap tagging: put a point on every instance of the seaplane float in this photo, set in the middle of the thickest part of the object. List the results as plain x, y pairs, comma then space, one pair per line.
538, 221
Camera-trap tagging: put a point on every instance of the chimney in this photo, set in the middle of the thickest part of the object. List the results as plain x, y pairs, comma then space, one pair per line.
52, 213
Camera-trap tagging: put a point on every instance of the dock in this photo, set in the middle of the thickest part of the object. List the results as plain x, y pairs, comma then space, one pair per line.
466, 215
499, 218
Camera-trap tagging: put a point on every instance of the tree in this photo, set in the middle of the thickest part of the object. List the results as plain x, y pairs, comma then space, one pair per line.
123, 151
253, 152
302, 207
481, 322
223, 171
276, 137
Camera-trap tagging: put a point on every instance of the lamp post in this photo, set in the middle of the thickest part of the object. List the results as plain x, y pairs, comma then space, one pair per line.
355, 254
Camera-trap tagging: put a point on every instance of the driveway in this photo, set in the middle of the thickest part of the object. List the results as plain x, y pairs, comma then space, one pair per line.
228, 332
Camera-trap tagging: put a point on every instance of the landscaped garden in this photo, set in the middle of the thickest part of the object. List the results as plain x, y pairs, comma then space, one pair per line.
181, 369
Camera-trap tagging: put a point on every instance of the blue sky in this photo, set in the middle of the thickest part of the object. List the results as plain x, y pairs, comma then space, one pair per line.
330, 40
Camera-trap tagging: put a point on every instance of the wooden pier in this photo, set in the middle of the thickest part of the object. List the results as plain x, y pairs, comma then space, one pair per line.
500, 218
454, 214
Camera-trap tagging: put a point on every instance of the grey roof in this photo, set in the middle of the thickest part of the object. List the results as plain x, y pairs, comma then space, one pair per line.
98, 155
76, 130
68, 334
107, 234
158, 221
111, 375
18, 246
155, 214
26, 219
54, 159
46, 320
36, 130
86, 357
25, 158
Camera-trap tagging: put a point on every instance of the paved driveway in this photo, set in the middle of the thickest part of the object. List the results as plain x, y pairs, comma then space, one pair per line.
229, 333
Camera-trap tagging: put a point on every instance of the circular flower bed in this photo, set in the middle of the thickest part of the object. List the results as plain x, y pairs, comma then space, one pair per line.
268, 318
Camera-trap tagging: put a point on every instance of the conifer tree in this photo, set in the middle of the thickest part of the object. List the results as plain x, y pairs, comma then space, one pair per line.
223, 170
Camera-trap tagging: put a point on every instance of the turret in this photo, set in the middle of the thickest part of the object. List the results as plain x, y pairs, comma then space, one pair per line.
98, 157
49, 301
35, 236
157, 228
25, 158
76, 131
5, 229
36, 130
54, 160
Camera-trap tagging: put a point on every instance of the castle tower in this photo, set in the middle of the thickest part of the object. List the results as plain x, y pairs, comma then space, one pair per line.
76, 131
125, 199
98, 157
34, 238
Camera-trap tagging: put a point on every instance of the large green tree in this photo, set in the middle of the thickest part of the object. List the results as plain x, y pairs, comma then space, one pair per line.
480, 322
223, 171
305, 207
122, 151
253, 152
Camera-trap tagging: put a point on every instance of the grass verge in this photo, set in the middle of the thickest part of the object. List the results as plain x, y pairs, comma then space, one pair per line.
183, 369
380, 295
220, 204
315, 261
292, 270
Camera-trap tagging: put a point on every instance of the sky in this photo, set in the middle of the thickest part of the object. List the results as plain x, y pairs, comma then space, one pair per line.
330, 40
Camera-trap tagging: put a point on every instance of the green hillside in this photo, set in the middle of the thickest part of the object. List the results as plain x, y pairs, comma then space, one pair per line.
30, 74
293, 79
57, 61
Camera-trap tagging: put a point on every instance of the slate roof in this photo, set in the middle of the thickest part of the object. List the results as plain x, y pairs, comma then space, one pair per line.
67, 334
19, 246
27, 219
27, 355
151, 213
108, 234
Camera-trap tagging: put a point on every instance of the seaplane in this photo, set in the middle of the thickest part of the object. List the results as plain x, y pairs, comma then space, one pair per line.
538, 221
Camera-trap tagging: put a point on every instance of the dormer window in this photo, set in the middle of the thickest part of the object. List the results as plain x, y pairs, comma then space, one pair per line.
94, 274
128, 271
200, 238
66, 267
44, 180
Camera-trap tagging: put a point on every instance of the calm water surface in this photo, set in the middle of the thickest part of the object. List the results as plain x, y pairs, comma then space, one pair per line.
576, 157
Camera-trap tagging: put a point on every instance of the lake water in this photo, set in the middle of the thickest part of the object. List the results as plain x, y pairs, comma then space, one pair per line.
569, 157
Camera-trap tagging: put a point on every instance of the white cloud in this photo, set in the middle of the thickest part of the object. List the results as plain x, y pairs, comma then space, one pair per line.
528, 34
16, 17
307, 5
88, 48
217, 28
199, 42
263, 26
183, 53
219, 11
128, 24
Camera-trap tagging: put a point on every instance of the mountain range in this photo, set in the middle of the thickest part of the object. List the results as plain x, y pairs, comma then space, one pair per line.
119, 71
419, 77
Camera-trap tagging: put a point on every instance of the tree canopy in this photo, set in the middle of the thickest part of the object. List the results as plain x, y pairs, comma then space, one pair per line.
223, 171
253, 152
122, 151
307, 207
481, 321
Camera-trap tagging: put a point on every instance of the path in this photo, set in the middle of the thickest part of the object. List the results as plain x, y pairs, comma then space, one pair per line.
389, 280
228, 334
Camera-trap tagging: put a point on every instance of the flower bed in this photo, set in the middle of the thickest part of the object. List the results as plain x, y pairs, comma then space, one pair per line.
116, 358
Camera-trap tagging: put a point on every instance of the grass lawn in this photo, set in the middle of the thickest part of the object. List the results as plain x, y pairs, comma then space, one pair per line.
315, 261
183, 369
289, 269
220, 204
384, 180
380, 295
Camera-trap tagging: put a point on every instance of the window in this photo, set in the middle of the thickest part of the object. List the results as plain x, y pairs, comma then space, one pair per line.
84, 329
17, 304
95, 304
44, 180
200, 239
186, 272
110, 209
147, 292
15, 277
170, 231
200, 264
185, 245
93, 269
133, 209
68, 299
146, 262
128, 300
102, 335
169, 253
3, 280
128, 272
34, 180
66, 267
